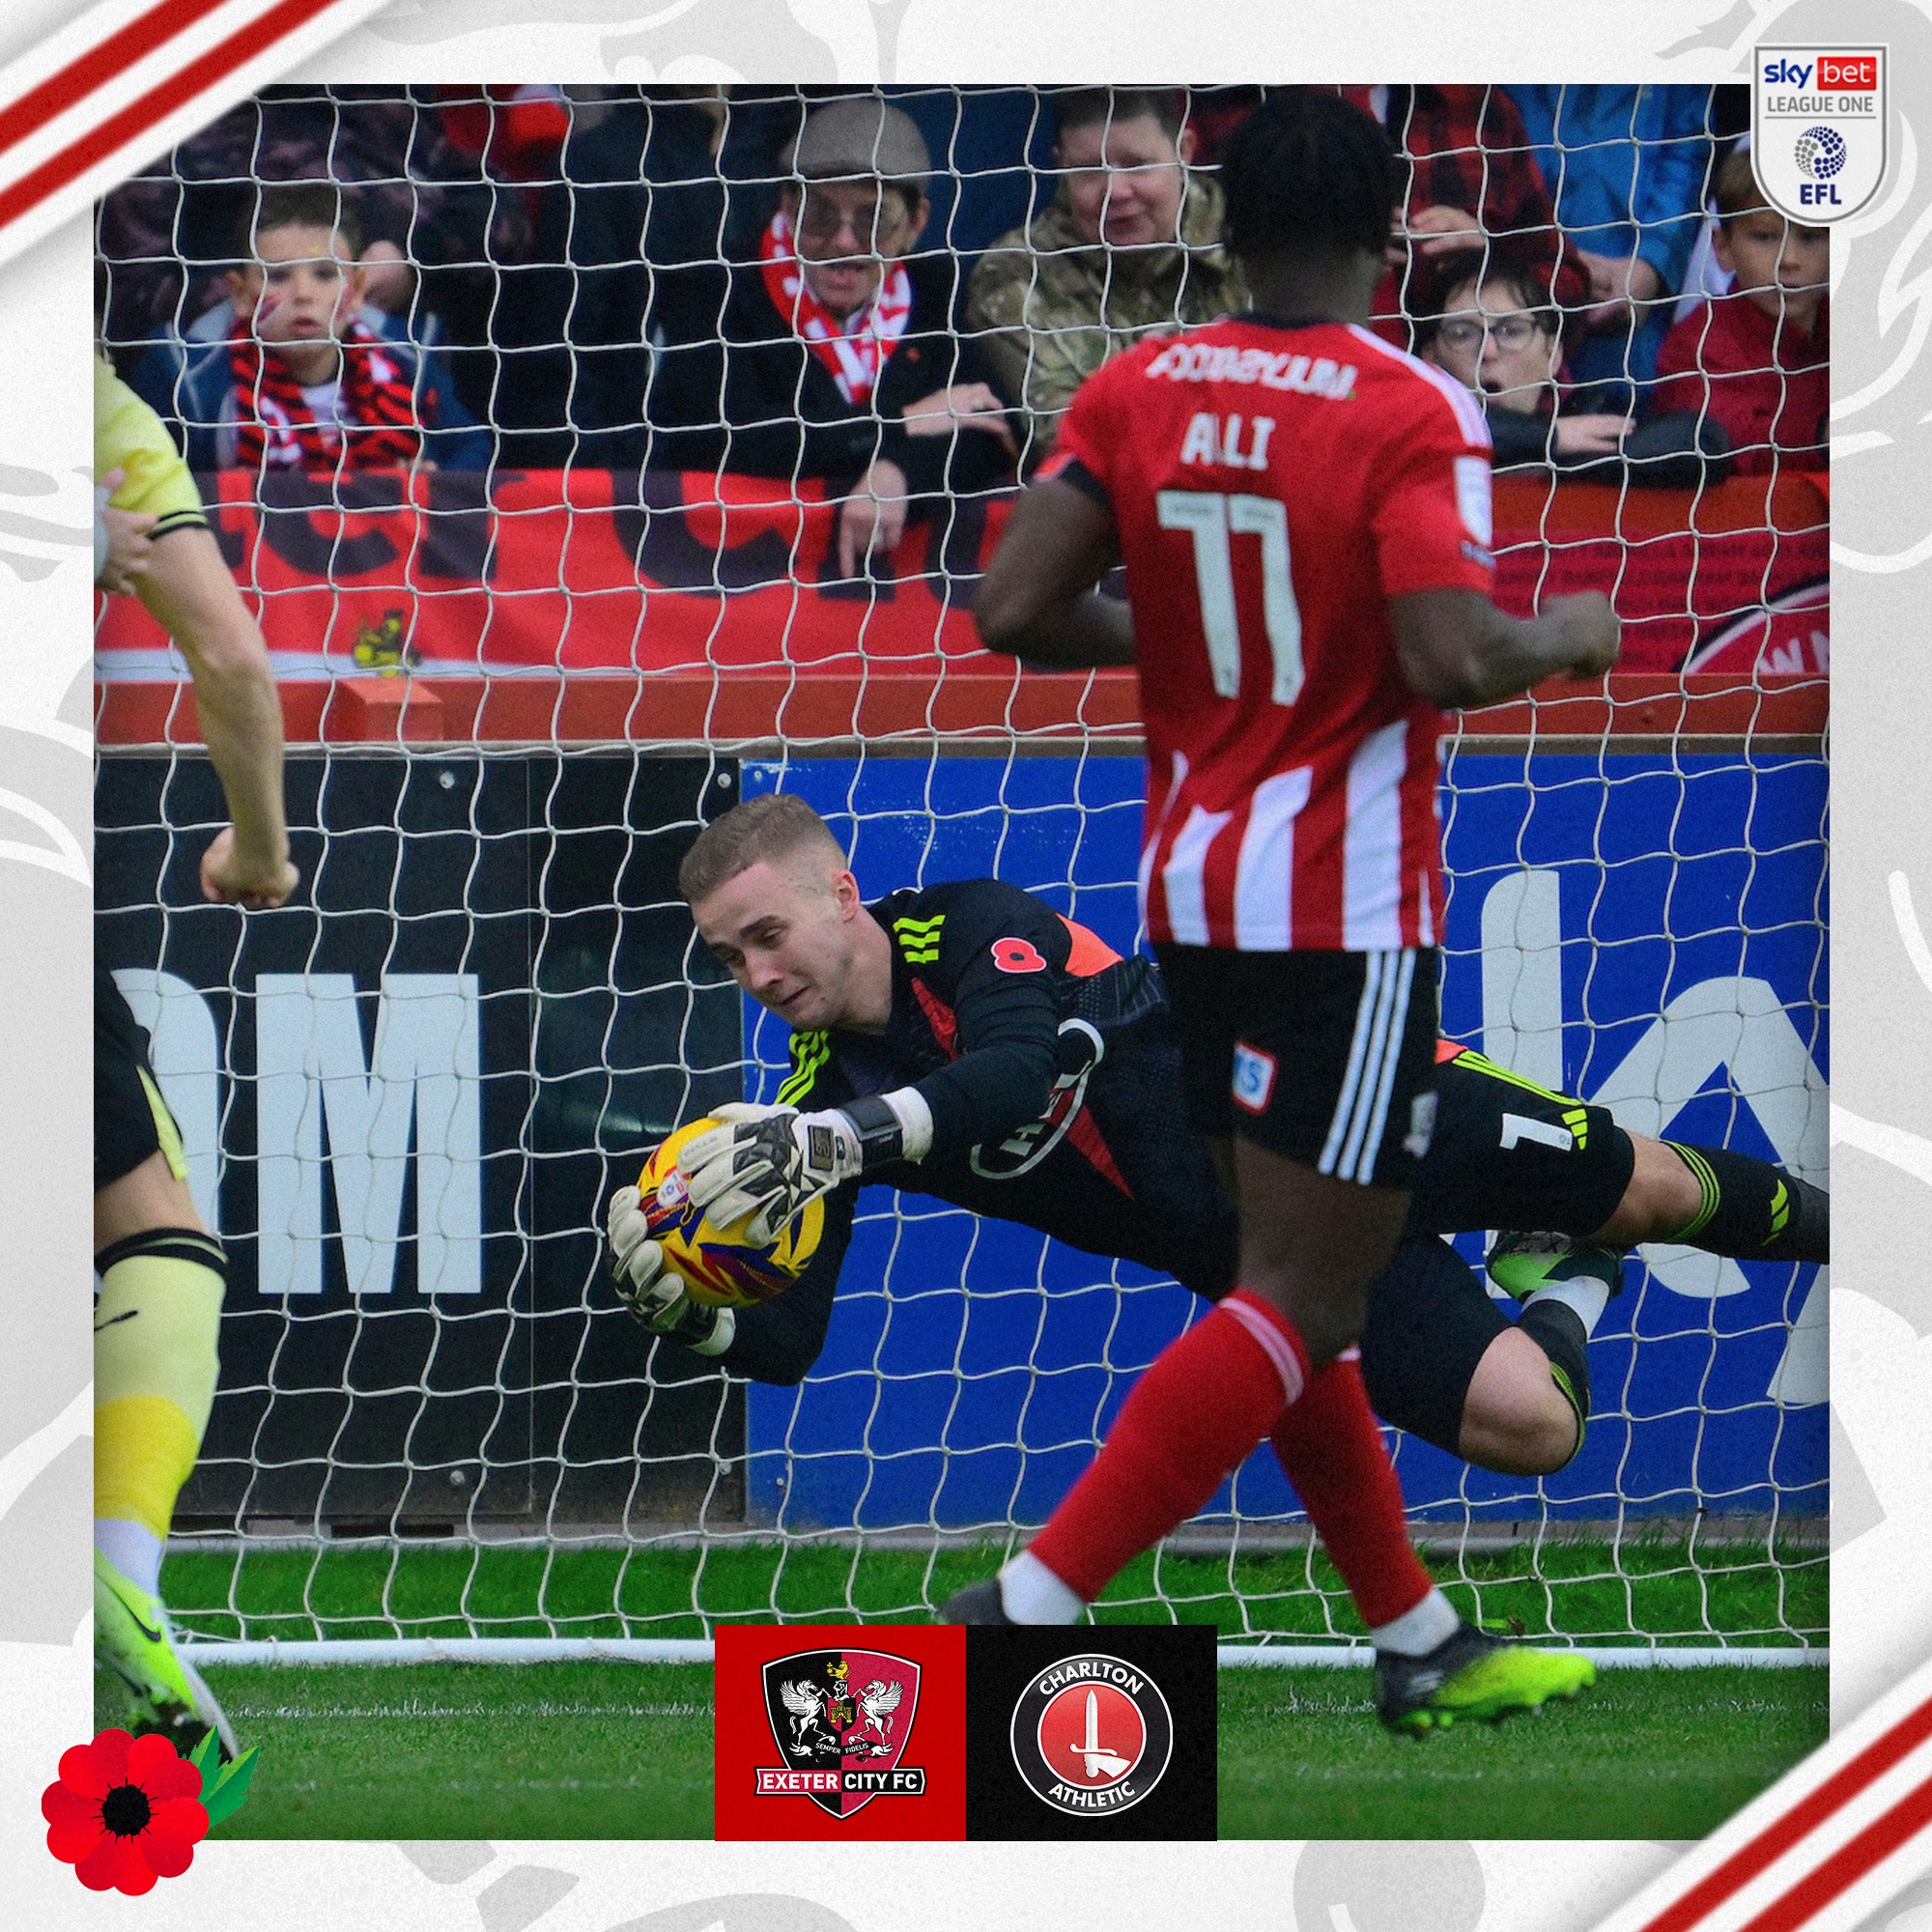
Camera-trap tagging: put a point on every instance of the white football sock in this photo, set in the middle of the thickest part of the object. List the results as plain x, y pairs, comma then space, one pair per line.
1586, 1296
133, 1550
1033, 1593
1418, 1631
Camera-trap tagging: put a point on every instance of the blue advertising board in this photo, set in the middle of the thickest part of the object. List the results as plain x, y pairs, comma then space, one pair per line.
1645, 931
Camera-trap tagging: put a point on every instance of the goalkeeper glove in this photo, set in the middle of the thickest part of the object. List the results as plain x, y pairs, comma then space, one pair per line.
652, 1291
770, 1163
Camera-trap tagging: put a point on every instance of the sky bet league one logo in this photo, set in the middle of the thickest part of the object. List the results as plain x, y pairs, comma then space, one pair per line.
1818, 120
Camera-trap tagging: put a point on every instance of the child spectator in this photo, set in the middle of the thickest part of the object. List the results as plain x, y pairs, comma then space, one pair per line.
304, 377
1757, 360
1498, 337
435, 233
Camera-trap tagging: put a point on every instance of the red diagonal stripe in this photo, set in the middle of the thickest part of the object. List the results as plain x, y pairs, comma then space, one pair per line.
1849, 1864
156, 104
1804, 1817
98, 66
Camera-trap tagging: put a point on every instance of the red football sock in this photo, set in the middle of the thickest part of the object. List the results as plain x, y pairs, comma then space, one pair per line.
1333, 1453
1211, 1396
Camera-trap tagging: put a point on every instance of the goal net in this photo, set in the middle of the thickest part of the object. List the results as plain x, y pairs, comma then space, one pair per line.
518, 682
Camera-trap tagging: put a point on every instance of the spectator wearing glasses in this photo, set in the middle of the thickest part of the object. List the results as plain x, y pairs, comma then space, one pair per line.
1129, 246
1498, 338
839, 360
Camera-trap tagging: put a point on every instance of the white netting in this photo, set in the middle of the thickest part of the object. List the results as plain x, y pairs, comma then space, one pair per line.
519, 681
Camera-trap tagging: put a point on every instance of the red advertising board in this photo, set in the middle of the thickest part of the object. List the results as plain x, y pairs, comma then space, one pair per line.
586, 571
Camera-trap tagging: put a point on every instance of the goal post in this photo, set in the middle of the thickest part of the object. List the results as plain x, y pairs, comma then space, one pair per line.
510, 1456
513, 695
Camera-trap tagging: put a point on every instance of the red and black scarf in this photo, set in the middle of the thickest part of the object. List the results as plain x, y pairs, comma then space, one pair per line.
854, 354
277, 429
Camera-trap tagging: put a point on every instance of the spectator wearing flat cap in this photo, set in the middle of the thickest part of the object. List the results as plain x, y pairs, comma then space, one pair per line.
838, 362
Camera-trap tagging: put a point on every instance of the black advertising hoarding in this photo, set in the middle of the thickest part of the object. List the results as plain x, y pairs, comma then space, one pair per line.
423, 1077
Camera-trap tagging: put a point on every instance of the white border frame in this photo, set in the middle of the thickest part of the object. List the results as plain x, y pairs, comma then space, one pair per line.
1882, 1304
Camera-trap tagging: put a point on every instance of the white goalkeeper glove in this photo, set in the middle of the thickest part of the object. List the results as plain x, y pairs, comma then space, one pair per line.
652, 1291
770, 1163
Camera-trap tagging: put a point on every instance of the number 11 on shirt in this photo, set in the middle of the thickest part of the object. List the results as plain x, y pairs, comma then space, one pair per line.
1212, 520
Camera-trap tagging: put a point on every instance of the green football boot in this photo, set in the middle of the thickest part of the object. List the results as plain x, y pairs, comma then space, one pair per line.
1468, 1675
1521, 1264
132, 1639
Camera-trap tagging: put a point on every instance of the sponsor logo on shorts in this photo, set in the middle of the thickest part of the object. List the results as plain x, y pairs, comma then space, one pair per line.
1421, 1125
1091, 1735
1254, 1077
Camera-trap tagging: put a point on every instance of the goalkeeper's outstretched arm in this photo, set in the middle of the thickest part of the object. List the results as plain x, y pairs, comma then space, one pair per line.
188, 591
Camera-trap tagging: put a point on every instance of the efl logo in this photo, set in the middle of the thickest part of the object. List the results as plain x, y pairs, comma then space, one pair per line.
1091, 1735
812, 1728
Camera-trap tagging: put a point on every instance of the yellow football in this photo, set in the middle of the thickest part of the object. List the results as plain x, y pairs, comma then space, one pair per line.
720, 1266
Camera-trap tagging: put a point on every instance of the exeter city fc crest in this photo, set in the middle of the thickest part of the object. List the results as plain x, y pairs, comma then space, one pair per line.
1818, 129
840, 1719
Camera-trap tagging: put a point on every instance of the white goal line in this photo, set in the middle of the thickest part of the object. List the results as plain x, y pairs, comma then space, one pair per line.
698, 1650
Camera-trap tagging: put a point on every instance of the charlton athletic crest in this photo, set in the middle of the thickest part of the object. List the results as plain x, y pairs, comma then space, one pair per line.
1818, 129
1091, 1735
842, 1719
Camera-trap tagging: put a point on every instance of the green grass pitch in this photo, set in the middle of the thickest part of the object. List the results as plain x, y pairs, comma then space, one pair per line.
604, 1751
1584, 1591
624, 1750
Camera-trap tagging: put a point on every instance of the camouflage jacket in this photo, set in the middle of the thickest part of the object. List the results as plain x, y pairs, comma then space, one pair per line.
1050, 308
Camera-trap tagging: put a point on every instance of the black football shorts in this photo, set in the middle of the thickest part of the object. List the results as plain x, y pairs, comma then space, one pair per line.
1509, 1153
131, 1122
1323, 1057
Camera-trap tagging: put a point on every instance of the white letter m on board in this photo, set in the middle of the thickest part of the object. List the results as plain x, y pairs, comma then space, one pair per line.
418, 1097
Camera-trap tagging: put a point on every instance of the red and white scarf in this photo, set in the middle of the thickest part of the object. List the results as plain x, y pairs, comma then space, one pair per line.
856, 352
277, 429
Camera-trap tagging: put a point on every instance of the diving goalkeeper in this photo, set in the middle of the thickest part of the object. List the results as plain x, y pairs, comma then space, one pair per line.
968, 1042
162, 1274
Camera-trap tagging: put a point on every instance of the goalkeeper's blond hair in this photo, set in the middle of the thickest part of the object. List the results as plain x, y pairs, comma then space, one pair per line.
775, 829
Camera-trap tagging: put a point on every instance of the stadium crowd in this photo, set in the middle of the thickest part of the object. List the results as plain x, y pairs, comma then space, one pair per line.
894, 293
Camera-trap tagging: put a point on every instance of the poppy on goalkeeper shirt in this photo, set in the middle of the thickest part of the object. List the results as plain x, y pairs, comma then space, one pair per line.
1273, 483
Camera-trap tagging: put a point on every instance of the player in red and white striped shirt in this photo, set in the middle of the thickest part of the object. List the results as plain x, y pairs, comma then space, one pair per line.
1304, 517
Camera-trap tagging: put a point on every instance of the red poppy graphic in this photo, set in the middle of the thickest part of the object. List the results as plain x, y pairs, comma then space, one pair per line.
1017, 955
125, 1811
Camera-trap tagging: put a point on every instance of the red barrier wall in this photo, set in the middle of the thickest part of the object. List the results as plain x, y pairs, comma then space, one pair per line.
584, 604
